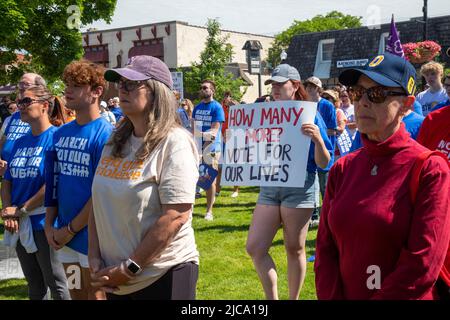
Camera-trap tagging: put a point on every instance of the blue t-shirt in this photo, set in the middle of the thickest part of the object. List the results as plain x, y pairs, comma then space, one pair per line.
441, 105
328, 113
70, 170
184, 118
26, 170
204, 115
117, 112
412, 122
311, 166
16, 128
417, 108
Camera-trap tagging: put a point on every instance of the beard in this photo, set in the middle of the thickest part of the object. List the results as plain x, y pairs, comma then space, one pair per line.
204, 95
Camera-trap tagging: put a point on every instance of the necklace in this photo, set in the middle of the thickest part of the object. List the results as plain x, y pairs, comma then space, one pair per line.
375, 166
374, 170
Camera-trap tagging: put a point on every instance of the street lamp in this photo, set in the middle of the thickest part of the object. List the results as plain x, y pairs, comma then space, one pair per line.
283, 56
253, 48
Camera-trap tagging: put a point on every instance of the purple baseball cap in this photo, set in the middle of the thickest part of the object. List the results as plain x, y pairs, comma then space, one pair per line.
141, 68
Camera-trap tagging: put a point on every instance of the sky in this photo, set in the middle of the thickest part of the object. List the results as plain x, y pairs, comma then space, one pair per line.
267, 17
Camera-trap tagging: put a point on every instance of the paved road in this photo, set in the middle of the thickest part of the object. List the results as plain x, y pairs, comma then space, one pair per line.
9, 264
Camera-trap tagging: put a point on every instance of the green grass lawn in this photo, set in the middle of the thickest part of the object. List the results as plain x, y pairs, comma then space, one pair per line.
226, 271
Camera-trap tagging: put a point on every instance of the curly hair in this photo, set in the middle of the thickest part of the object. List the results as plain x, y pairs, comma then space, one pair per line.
431, 67
84, 72
161, 117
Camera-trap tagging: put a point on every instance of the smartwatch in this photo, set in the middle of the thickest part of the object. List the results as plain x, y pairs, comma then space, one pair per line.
23, 211
133, 267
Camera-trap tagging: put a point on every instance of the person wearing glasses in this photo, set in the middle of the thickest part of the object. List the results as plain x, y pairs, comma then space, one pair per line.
378, 239
16, 128
288, 208
141, 240
349, 110
70, 169
22, 195
207, 119
188, 106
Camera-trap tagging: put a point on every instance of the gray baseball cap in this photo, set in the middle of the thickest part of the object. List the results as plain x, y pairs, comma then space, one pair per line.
283, 73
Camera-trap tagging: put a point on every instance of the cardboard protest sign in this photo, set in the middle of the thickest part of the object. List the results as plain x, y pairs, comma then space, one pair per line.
265, 145
344, 142
207, 174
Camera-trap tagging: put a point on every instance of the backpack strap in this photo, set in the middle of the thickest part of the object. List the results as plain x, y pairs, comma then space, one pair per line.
417, 169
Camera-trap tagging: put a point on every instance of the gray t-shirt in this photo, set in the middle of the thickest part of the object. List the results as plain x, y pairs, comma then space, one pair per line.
128, 194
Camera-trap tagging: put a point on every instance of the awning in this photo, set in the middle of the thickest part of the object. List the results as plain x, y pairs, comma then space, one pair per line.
154, 50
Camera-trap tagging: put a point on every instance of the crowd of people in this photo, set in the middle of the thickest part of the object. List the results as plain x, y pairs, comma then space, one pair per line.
107, 188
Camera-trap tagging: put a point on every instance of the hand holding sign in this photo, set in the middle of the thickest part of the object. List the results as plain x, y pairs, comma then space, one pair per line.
312, 131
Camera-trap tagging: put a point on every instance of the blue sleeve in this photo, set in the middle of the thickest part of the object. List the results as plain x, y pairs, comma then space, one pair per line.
323, 132
51, 178
218, 115
328, 113
418, 108
357, 143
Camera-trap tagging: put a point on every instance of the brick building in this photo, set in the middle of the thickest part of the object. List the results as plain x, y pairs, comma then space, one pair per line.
326, 54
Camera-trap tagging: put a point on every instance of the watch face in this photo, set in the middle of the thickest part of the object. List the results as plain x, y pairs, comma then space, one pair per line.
133, 267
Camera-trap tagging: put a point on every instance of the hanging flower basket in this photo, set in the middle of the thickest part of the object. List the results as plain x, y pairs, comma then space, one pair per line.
421, 52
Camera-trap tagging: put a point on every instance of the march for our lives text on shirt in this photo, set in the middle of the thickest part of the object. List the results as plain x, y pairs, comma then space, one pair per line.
71, 169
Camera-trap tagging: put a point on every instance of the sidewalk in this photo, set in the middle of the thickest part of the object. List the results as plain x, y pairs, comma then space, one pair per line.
9, 264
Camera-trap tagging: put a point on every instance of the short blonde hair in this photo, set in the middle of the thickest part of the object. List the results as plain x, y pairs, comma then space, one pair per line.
432, 67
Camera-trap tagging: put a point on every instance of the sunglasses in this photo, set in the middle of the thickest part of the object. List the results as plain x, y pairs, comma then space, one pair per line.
129, 85
376, 94
204, 88
26, 102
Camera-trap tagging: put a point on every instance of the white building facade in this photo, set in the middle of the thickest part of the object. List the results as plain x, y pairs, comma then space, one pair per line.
177, 43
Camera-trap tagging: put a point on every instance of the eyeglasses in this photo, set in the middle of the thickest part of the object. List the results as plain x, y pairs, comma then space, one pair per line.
376, 94
204, 88
343, 97
26, 102
129, 85
25, 85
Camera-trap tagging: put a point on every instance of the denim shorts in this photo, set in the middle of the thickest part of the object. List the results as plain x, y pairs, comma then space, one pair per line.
306, 197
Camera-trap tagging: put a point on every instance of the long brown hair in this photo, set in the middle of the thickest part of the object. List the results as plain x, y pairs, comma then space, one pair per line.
301, 93
161, 116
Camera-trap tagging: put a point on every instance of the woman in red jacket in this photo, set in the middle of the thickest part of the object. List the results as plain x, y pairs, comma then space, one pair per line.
374, 241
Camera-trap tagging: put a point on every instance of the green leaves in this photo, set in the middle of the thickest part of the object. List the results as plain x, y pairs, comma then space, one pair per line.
213, 59
334, 20
40, 30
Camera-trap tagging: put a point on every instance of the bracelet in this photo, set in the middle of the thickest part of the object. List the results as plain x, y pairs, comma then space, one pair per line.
70, 230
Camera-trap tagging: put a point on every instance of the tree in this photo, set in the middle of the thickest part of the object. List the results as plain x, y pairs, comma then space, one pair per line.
46, 32
334, 20
213, 59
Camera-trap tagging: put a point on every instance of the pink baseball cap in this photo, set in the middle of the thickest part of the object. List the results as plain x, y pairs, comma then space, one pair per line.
141, 68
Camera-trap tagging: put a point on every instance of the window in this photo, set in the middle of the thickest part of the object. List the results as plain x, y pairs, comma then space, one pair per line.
383, 40
327, 51
323, 58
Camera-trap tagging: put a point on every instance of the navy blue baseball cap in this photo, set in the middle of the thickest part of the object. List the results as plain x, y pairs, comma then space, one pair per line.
387, 70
